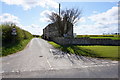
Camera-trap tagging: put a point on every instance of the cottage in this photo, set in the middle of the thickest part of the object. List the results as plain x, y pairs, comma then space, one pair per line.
51, 31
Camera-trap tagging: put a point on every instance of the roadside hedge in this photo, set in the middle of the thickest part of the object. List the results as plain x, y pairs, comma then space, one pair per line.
8, 38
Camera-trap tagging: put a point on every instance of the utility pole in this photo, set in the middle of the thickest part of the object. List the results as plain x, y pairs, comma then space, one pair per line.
59, 9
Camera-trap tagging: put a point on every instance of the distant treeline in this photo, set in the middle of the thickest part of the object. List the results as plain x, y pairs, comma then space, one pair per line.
36, 36
111, 33
9, 38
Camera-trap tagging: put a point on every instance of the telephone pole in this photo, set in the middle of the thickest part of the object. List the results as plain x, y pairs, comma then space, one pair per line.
59, 9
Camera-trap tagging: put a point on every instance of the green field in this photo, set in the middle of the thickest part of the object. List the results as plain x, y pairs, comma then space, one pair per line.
114, 37
106, 52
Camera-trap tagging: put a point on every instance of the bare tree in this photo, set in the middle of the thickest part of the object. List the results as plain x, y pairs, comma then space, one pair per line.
54, 17
67, 18
71, 15
57, 20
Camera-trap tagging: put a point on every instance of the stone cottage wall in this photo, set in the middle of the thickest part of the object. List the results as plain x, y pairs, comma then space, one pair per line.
51, 31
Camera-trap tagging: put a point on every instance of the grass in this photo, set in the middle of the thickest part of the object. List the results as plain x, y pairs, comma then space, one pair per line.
110, 52
13, 48
106, 52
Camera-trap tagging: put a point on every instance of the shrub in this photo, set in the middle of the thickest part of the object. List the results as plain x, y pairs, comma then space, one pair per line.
8, 38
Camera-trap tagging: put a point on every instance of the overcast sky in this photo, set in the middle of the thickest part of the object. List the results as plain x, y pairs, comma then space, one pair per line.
97, 17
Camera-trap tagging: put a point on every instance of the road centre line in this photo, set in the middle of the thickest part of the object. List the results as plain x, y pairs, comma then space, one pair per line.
46, 58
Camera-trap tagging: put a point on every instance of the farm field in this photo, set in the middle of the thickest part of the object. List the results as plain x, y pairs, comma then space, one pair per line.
104, 51
113, 37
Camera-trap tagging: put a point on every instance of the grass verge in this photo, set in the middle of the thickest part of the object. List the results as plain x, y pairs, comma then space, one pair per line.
13, 48
105, 52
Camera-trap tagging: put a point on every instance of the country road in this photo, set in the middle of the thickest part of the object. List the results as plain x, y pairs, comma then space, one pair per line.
40, 60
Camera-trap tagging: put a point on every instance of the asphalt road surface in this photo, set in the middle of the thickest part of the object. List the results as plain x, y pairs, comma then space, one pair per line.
40, 60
